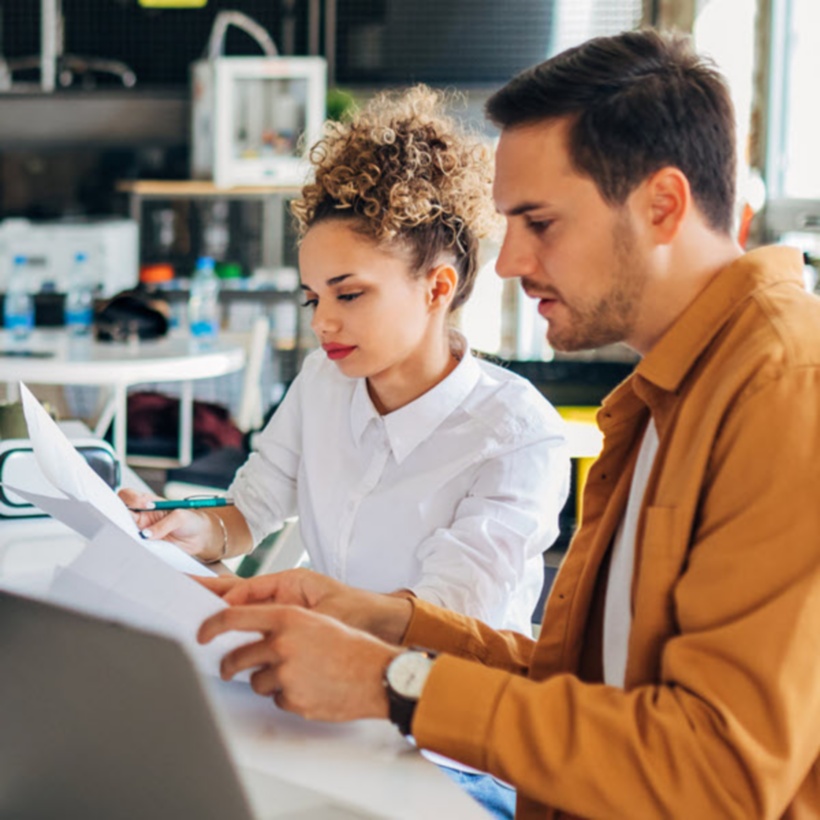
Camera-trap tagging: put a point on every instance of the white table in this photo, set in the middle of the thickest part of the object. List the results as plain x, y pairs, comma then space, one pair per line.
116, 366
365, 765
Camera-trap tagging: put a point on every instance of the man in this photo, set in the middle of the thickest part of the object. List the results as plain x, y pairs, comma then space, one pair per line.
677, 673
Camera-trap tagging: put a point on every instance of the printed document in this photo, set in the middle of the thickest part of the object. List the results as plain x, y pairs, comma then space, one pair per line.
119, 575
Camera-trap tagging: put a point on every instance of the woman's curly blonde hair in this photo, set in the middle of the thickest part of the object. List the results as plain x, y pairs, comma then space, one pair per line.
405, 174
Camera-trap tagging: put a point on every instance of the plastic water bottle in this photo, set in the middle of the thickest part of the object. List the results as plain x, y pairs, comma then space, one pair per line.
203, 302
79, 300
18, 307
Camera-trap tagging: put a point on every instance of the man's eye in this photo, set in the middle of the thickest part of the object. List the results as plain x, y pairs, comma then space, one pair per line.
348, 297
539, 226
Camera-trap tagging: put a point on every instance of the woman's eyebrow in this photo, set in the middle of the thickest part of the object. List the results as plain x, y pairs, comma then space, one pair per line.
334, 280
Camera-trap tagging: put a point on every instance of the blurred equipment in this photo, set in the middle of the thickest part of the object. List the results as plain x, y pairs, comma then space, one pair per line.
56, 67
133, 314
19, 468
173, 4
253, 118
110, 245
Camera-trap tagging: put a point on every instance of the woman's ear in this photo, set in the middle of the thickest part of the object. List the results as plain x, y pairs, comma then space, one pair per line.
442, 282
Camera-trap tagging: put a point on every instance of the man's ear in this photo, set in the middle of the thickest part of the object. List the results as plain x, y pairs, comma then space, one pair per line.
442, 282
667, 202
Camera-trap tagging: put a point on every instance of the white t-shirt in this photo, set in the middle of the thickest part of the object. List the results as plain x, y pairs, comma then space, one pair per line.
618, 603
454, 496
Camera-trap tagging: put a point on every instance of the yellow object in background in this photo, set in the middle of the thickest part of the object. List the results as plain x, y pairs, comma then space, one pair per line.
587, 442
173, 4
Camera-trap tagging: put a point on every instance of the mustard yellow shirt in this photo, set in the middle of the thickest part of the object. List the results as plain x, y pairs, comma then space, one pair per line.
720, 712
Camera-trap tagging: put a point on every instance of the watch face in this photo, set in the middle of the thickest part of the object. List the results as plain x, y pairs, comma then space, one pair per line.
408, 673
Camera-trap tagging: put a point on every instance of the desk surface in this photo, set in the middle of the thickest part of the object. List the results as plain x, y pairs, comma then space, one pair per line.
365, 764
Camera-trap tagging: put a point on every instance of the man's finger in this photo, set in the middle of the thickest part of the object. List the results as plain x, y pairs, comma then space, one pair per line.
266, 682
264, 618
219, 585
254, 590
249, 656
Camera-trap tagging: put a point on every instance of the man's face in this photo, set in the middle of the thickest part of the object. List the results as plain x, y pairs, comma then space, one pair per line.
575, 253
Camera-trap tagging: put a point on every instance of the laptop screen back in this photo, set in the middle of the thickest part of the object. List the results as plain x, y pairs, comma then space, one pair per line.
102, 720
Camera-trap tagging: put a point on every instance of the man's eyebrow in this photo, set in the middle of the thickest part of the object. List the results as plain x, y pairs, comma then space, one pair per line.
334, 280
524, 207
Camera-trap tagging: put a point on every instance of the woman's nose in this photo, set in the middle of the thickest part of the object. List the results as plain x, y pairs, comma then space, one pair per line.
323, 321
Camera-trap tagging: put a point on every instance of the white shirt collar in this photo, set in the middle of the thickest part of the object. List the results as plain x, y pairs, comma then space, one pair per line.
410, 425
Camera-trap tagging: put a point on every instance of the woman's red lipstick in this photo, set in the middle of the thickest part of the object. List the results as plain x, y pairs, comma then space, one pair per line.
336, 352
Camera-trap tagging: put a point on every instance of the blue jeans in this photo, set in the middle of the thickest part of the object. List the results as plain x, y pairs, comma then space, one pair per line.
497, 798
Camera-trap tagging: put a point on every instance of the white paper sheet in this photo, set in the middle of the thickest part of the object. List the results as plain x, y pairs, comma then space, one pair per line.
87, 521
111, 579
66, 469
83, 501
119, 575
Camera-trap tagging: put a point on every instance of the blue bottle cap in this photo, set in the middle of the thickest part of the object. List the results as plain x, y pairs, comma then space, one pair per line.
80, 256
20, 259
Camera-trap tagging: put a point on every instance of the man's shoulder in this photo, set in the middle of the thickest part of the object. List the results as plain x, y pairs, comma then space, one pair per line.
775, 333
787, 322
778, 327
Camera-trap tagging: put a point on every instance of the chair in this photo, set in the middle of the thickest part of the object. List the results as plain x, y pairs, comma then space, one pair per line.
280, 550
213, 472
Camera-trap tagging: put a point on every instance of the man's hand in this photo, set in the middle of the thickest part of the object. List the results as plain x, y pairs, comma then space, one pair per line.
310, 664
384, 616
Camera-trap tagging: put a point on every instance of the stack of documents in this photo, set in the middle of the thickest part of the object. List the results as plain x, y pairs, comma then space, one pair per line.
119, 575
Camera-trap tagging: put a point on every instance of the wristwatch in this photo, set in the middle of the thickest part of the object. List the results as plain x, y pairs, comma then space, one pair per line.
404, 678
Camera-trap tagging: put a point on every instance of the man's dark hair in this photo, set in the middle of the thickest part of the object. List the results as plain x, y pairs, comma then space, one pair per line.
638, 102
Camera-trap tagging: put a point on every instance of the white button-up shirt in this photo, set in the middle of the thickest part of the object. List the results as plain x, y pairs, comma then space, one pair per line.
453, 496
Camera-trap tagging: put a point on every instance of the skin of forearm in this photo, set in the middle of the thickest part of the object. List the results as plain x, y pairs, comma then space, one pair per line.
240, 540
389, 616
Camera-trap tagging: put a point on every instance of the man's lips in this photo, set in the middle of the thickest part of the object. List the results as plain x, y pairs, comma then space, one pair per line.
546, 304
335, 351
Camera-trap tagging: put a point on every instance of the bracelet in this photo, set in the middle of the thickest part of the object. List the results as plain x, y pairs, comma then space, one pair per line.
223, 553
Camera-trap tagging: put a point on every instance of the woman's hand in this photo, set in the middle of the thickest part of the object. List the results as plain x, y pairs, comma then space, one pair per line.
191, 530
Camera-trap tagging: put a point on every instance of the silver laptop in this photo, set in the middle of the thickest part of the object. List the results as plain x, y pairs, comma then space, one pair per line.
102, 720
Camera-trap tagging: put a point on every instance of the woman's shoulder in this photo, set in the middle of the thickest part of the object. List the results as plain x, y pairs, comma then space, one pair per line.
511, 404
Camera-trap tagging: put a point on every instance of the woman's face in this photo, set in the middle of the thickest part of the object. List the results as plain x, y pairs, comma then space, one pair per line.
369, 313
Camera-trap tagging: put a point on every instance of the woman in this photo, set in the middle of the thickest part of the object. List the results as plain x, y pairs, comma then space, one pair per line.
414, 468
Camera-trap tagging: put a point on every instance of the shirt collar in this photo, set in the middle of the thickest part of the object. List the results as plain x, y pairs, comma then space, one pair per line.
670, 360
410, 425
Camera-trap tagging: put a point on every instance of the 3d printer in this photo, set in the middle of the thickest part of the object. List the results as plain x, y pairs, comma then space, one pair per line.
254, 118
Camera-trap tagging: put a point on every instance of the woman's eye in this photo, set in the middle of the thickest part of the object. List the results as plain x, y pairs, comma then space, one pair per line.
348, 297
311, 303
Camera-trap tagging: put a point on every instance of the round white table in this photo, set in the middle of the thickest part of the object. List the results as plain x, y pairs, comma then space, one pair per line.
51, 356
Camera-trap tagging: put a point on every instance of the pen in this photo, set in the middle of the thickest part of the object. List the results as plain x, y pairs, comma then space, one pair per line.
185, 504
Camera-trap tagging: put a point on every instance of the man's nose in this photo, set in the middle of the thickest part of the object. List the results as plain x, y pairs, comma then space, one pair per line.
515, 259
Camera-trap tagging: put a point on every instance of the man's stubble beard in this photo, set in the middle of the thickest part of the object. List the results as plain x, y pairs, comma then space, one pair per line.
612, 319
